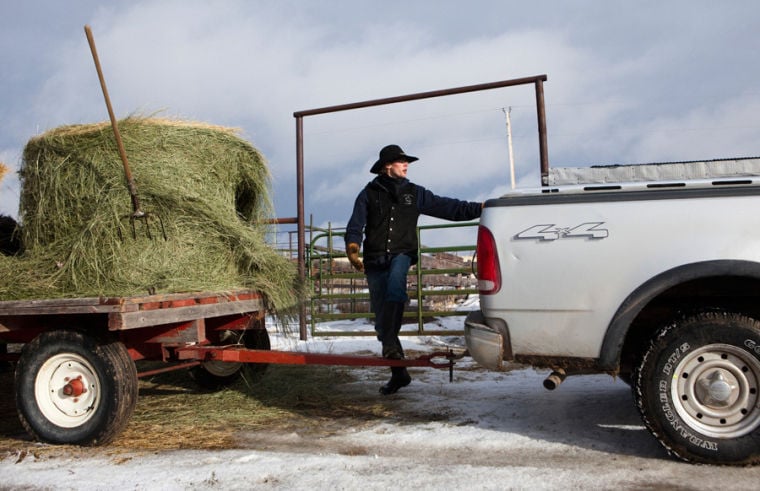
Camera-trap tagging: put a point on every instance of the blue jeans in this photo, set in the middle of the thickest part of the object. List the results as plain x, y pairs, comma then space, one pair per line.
388, 285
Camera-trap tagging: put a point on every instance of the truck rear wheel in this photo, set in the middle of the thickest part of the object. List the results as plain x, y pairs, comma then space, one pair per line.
697, 388
218, 374
74, 389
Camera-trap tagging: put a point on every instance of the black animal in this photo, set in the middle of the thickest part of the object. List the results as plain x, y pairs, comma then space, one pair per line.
10, 244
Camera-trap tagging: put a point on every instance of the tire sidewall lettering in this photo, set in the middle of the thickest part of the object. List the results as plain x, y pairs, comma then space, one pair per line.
753, 346
675, 356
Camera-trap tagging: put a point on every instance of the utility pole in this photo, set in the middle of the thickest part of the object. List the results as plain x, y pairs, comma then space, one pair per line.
507, 114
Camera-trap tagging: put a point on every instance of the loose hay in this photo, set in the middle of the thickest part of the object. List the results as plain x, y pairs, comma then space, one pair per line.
3, 170
209, 187
172, 413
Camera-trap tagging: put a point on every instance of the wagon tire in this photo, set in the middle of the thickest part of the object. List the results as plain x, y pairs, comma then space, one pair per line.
214, 375
697, 388
72, 388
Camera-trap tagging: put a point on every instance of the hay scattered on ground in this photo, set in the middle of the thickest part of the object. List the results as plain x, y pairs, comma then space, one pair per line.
209, 187
173, 413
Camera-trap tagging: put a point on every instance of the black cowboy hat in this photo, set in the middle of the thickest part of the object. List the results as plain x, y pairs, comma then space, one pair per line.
388, 154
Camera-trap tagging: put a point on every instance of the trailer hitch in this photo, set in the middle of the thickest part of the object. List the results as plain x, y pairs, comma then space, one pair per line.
450, 356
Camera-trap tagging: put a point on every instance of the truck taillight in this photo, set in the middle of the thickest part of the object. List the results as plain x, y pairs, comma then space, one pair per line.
489, 273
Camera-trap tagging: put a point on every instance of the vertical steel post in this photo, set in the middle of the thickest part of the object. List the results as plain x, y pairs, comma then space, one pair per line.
301, 225
542, 141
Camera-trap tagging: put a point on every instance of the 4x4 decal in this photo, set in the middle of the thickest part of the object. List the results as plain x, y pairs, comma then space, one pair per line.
546, 232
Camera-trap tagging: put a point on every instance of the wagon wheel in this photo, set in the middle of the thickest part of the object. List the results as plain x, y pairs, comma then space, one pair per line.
697, 388
75, 389
217, 374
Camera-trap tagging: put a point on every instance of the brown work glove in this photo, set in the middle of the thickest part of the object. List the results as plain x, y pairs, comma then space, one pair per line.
352, 251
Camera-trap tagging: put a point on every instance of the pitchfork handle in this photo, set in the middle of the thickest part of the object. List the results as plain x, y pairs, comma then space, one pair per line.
119, 143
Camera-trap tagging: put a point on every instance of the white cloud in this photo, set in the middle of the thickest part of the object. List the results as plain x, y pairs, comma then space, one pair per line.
624, 80
728, 129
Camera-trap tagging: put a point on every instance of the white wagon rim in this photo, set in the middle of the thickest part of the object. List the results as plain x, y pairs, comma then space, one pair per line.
67, 390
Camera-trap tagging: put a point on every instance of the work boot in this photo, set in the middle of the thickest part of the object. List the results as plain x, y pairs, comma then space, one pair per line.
399, 378
390, 319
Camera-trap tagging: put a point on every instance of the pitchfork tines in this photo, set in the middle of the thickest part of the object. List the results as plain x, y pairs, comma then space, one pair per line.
138, 215
148, 220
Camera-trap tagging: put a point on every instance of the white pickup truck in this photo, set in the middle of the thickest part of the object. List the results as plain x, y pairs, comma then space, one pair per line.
647, 272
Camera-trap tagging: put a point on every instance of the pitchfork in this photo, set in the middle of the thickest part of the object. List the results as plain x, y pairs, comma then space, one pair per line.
137, 212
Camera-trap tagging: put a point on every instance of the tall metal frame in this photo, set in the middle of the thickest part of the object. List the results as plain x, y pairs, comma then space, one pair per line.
536, 80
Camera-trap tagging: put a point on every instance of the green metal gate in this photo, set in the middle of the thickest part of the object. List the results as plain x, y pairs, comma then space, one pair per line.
442, 274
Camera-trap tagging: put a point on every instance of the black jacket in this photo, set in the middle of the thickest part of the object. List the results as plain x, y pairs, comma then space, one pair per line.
386, 211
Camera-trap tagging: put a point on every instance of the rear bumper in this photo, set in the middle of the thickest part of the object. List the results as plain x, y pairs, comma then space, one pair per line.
485, 344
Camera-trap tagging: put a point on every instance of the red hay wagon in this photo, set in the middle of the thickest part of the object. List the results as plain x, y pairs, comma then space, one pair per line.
76, 380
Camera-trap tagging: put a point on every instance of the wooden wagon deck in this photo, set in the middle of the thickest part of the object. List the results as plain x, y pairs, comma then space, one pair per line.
137, 311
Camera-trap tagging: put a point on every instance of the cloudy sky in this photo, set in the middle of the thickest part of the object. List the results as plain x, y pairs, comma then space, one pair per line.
628, 82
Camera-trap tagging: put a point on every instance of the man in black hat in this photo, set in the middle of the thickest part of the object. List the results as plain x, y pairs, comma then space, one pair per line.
385, 214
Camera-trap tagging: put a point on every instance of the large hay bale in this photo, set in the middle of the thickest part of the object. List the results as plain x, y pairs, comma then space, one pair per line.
208, 186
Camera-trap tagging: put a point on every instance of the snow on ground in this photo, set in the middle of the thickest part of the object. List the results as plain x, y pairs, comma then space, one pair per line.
486, 430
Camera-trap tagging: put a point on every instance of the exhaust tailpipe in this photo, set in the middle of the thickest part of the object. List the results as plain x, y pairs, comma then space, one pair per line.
554, 379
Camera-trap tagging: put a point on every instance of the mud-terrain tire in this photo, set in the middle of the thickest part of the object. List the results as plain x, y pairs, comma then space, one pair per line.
697, 388
72, 388
215, 375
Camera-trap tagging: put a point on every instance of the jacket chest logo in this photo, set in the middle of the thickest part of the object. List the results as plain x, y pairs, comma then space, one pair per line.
406, 199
